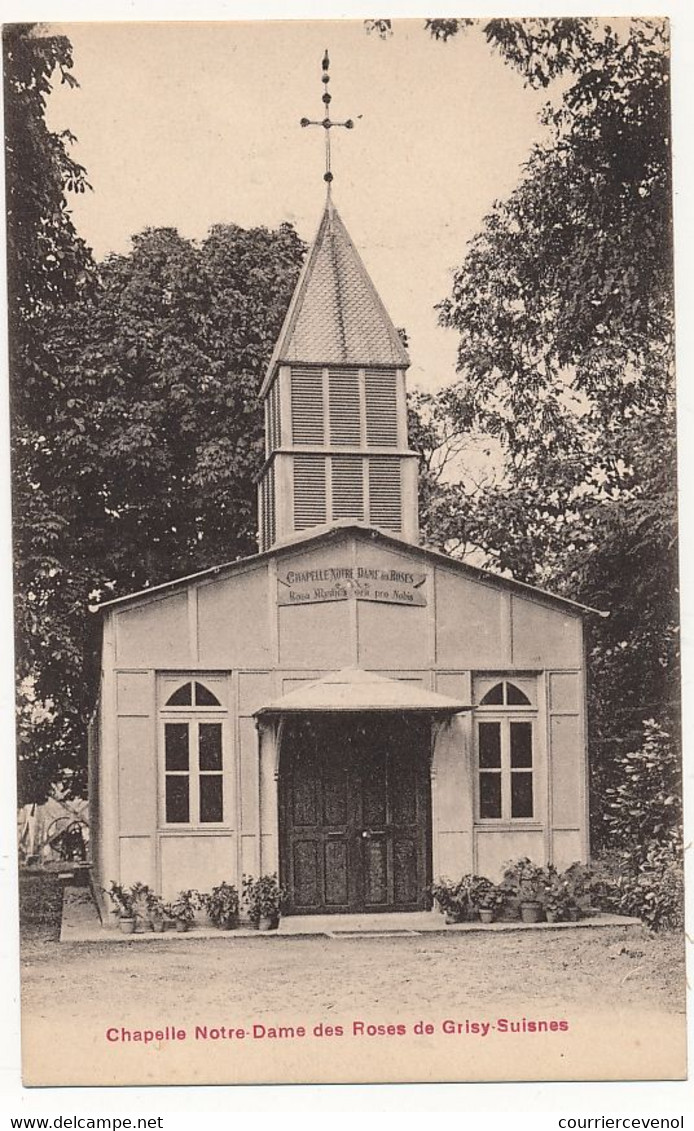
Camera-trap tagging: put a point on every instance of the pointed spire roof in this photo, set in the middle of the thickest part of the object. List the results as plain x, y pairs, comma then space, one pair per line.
336, 316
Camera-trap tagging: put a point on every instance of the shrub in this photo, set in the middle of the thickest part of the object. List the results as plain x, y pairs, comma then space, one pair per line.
645, 807
650, 887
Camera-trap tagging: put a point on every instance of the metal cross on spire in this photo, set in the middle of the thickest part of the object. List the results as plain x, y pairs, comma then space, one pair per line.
326, 122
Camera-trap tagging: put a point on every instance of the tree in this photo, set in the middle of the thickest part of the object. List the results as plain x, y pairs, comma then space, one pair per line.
150, 441
564, 310
48, 266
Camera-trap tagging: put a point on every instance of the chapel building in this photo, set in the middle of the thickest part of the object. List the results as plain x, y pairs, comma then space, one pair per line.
347, 708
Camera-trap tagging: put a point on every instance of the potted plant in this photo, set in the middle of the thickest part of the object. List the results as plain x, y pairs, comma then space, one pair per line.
264, 899
557, 902
156, 910
123, 906
487, 899
222, 906
527, 881
578, 881
141, 895
446, 895
182, 909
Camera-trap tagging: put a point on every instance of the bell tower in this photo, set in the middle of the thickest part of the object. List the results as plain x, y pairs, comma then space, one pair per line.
336, 447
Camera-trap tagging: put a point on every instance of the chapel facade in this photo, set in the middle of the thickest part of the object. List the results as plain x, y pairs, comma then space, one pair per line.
347, 708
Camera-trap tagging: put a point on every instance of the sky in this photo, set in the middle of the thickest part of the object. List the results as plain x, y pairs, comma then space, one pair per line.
189, 125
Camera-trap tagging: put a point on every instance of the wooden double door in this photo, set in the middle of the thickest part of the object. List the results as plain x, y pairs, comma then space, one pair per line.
355, 804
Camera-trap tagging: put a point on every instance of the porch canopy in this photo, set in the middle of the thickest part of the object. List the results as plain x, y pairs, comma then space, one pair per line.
354, 689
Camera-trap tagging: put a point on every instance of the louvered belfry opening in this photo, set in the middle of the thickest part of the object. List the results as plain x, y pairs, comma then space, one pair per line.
385, 495
347, 487
309, 491
308, 426
336, 412
381, 408
344, 406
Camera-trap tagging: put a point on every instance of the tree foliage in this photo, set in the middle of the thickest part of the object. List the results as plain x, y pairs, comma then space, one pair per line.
564, 311
136, 429
645, 805
150, 443
48, 266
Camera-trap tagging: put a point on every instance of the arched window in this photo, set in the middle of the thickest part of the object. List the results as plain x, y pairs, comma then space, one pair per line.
193, 755
193, 694
505, 694
505, 750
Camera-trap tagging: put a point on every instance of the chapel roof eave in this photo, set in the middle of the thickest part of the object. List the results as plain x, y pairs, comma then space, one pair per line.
346, 528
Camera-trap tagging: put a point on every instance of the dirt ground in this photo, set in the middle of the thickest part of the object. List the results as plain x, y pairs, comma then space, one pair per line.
269, 975
628, 979
619, 968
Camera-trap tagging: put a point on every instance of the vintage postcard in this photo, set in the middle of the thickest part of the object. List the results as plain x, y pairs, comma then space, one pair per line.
345, 550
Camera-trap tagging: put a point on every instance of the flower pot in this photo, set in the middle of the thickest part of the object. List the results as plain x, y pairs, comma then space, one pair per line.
574, 914
552, 916
182, 926
268, 923
486, 915
451, 917
126, 926
531, 911
158, 926
229, 923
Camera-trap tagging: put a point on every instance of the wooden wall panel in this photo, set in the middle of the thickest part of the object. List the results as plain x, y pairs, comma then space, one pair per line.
134, 693
248, 775
544, 637
137, 778
316, 635
392, 636
136, 862
567, 847
155, 635
567, 769
201, 862
496, 846
234, 621
255, 690
564, 692
469, 626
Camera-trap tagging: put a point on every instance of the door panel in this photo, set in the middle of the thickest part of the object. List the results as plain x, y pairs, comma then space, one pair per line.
306, 873
355, 814
405, 870
375, 854
374, 806
336, 868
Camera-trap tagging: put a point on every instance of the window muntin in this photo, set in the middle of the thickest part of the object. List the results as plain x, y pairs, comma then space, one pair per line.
193, 756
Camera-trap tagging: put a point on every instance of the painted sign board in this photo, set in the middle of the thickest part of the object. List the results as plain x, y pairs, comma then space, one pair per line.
297, 586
